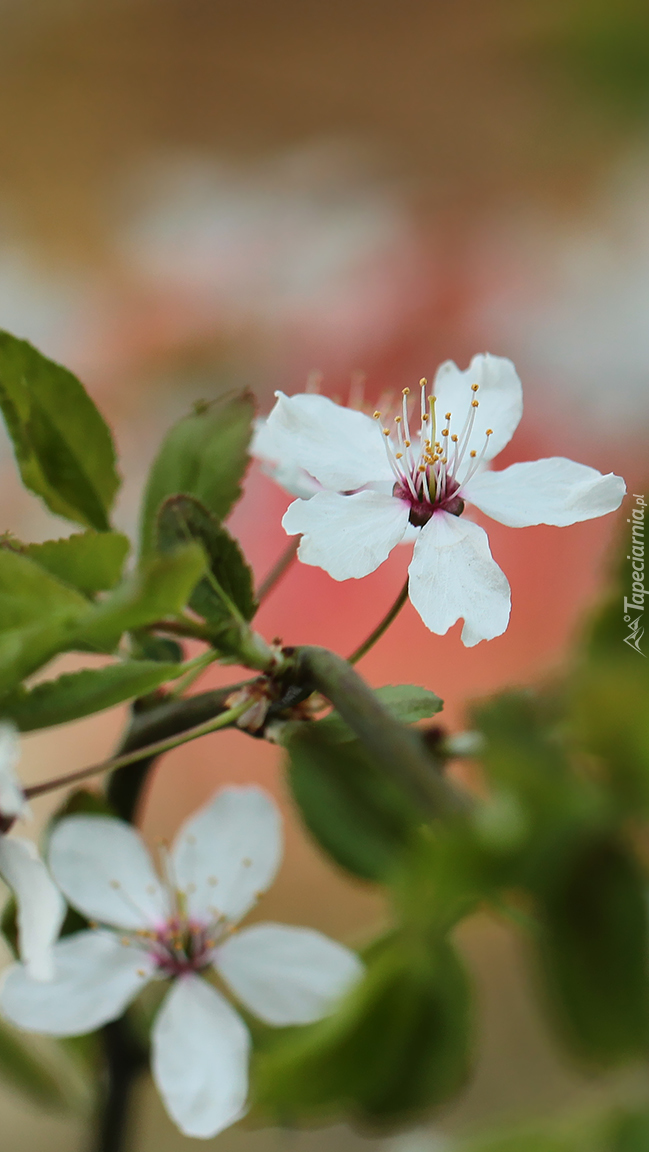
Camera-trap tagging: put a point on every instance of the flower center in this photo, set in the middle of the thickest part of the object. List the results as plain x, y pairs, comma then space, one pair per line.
181, 945
431, 466
185, 946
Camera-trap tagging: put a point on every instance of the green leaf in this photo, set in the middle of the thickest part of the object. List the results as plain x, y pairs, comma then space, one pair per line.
397, 1047
161, 587
355, 812
77, 694
38, 615
204, 455
407, 703
63, 447
89, 561
225, 595
22, 1067
595, 951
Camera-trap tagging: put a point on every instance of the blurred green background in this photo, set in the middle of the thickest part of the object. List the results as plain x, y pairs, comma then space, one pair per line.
201, 192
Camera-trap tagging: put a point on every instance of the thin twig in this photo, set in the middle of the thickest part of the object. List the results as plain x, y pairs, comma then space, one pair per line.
221, 721
183, 626
381, 627
278, 569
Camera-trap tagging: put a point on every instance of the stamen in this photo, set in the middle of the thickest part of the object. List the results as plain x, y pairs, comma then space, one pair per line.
406, 427
431, 407
478, 459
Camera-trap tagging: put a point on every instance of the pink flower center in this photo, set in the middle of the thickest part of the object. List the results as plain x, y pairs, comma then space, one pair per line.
181, 946
431, 466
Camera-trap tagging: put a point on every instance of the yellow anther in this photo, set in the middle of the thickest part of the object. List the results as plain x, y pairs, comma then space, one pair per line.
424, 416
473, 452
405, 392
448, 416
475, 403
141, 972
490, 431
114, 883
212, 881
125, 941
246, 861
444, 431
444, 460
423, 382
397, 419
377, 415
386, 431
407, 443
421, 468
398, 455
454, 438
474, 387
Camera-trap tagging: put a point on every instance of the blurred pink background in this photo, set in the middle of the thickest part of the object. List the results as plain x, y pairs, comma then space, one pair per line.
197, 194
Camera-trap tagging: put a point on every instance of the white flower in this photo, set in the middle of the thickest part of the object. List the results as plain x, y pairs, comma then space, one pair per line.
40, 906
269, 448
183, 929
378, 483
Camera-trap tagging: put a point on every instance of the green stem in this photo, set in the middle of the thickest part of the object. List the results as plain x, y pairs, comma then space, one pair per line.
279, 568
399, 750
381, 627
224, 720
182, 626
195, 668
150, 723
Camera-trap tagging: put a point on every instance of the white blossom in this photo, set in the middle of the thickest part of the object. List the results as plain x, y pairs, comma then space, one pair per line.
183, 929
377, 484
40, 907
267, 446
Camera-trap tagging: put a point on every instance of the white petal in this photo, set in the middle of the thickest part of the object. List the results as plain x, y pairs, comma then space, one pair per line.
267, 445
348, 536
500, 402
287, 975
104, 869
95, 977
555, 491
453, 574
41, 907
228, 852
200, 1058
12, 799
340, 447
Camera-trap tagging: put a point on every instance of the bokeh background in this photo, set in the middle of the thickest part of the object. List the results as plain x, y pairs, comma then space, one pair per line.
196, 194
